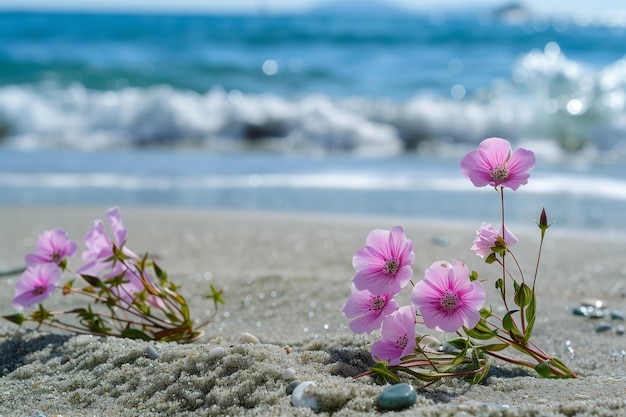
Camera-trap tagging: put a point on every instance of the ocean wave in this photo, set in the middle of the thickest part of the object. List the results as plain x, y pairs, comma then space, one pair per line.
548, 98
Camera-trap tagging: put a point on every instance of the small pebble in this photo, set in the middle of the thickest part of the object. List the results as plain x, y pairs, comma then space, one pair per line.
292, 386
83, 339
617, 315
439, 241
397, 397
596, 314
288, 374
603, 328
619, 330
152, 352
216, 352
299, 398
448, 348
248, 338
430, 343
581, 311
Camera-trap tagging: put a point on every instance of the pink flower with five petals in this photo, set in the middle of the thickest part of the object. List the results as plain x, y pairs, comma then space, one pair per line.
367, 310
52, 246
493, 164
383, 265
398, 336
447, 299
36, 284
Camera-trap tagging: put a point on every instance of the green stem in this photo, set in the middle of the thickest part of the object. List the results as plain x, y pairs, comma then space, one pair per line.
538, 260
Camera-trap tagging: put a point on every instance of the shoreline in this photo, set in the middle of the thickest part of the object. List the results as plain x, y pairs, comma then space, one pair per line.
284, 277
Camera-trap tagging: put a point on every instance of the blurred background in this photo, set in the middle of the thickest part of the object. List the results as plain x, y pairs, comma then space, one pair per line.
346, 106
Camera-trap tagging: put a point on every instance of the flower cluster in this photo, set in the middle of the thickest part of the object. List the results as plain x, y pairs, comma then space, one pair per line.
129, 296
450, 298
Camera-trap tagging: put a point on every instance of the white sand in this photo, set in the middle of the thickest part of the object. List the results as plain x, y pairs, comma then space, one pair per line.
285, 277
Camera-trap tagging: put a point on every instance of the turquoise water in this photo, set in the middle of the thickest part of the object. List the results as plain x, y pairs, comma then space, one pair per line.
309, 83
318, 113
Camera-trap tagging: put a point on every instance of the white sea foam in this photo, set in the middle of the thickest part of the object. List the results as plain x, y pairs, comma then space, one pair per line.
549, 98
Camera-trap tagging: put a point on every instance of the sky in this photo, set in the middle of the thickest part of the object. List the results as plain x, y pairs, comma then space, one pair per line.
278, 6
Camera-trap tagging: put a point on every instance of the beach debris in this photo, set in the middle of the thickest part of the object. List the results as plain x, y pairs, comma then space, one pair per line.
288, 374
216, 352
603, 327
248, 338
397, 397
292, 386
151, 352
620, 330
300, 397
617, 315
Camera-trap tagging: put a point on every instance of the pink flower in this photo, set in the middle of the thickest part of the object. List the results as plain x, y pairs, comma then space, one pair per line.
100, 246
36, 284
383, 265
486, 239
99, 254
367, 310
52, 246
447, 299
492, 164
398, 336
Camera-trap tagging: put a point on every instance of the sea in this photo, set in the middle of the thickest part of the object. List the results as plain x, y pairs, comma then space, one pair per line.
318, 112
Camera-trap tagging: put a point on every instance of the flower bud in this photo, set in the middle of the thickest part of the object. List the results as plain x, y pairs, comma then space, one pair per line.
543, 222
543, 219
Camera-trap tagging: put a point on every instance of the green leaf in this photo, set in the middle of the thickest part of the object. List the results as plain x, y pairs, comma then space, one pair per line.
16, 318
135, 334
478, 377
481, 331
531, 312
473, 276
160, 274
93, 281
41, 315
216, 296
508, 324
459, 342
523, 295
382, 369
499, 247
491, 258
486, 312
496, 347
543, 369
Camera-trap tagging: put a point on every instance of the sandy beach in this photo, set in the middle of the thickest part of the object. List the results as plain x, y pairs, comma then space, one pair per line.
285, 277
